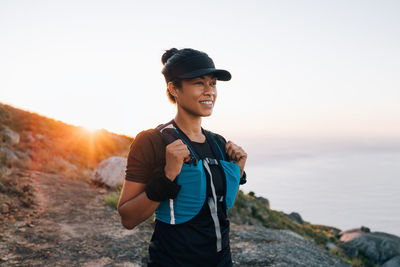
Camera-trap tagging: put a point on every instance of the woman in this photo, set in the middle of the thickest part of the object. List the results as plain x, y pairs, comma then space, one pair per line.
188, 176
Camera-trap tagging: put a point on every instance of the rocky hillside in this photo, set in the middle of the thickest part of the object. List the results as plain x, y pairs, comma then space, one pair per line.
43, 144
52, 213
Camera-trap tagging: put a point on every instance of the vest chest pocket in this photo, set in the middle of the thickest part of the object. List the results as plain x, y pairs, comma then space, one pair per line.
190, 199
232, 174
192, 195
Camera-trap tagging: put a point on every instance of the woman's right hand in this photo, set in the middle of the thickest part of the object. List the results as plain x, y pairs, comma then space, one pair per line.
175, 154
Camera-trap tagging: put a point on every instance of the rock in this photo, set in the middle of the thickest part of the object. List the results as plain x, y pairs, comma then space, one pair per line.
378, 247
253, 245
4, 208
295, 217
22, 155
263, 201
348, 235
10, 137
6, 171
393, 262
8, 154
28, 136
110, 171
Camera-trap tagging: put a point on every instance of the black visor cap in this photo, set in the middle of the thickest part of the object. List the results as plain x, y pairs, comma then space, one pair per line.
197, 66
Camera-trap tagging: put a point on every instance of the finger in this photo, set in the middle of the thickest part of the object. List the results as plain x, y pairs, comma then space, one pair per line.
233, 150
177, 142
174, 144
240, 155
236, 156
187, 158
182, 152
229, 148
181, 147
230, 153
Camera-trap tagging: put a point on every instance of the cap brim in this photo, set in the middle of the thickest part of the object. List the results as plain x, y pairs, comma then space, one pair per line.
222, 75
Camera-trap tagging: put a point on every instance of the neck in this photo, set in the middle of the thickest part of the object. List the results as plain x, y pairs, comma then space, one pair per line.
189, 124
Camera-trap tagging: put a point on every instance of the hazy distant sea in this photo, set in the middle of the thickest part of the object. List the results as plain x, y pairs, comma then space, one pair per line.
344, 189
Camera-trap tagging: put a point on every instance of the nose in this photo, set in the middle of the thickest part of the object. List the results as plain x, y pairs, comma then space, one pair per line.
209, 89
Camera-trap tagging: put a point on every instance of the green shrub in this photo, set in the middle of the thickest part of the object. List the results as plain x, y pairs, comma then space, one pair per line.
112, 198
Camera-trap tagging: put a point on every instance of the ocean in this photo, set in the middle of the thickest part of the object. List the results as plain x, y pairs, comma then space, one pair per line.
343, 188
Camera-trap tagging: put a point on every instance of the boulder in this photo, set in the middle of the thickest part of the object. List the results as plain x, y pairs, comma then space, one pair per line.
110, 171
393, 262
295, 217
8, 155
10, 137
28, 136
253, 245
348, 235
378, 247
5, 171
263, 200
22, 155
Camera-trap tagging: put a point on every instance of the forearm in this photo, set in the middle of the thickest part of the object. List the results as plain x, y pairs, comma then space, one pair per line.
137, 210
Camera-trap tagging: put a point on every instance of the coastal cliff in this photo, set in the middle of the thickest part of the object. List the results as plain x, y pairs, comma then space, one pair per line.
54, 213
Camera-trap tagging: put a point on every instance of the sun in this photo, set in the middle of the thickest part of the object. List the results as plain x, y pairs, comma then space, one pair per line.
89, 130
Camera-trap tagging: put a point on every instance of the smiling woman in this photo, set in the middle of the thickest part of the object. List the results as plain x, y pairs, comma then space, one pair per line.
185, 174
196, 96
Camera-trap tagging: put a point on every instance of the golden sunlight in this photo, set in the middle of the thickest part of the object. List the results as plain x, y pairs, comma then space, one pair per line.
89, 129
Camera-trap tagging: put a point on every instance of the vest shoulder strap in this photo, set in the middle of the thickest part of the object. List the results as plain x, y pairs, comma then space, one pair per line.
169, 133
217, 143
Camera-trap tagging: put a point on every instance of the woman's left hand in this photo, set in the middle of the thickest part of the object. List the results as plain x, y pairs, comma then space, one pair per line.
237, 154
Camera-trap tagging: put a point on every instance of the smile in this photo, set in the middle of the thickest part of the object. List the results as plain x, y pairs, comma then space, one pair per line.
208, 102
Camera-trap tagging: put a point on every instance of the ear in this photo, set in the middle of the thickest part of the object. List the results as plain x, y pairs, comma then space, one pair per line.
172, 89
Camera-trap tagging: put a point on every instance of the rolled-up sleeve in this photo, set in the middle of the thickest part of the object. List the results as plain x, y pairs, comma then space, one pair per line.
140, 159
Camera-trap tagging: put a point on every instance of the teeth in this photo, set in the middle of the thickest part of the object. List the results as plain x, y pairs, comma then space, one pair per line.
206, 102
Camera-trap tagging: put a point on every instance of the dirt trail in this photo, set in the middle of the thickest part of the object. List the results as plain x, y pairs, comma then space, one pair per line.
71, 227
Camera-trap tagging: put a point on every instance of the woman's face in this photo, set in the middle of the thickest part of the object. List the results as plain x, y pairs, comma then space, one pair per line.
197, 96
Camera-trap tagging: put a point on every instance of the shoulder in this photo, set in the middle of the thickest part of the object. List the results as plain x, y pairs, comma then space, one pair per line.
147, 146
146, 152
146, 138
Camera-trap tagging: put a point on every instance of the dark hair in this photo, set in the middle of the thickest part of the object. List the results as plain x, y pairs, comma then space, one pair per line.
175, 81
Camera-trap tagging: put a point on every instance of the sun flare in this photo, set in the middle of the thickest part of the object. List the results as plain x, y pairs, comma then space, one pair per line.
89, 129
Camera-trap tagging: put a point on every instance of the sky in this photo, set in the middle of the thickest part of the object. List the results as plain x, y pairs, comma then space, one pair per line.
326, 69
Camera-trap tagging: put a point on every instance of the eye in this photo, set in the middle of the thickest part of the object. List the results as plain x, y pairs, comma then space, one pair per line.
199, 82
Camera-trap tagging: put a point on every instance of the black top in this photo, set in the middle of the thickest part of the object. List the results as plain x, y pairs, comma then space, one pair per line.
192, 243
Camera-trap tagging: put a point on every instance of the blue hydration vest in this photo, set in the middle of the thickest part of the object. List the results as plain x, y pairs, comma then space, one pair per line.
193, 182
